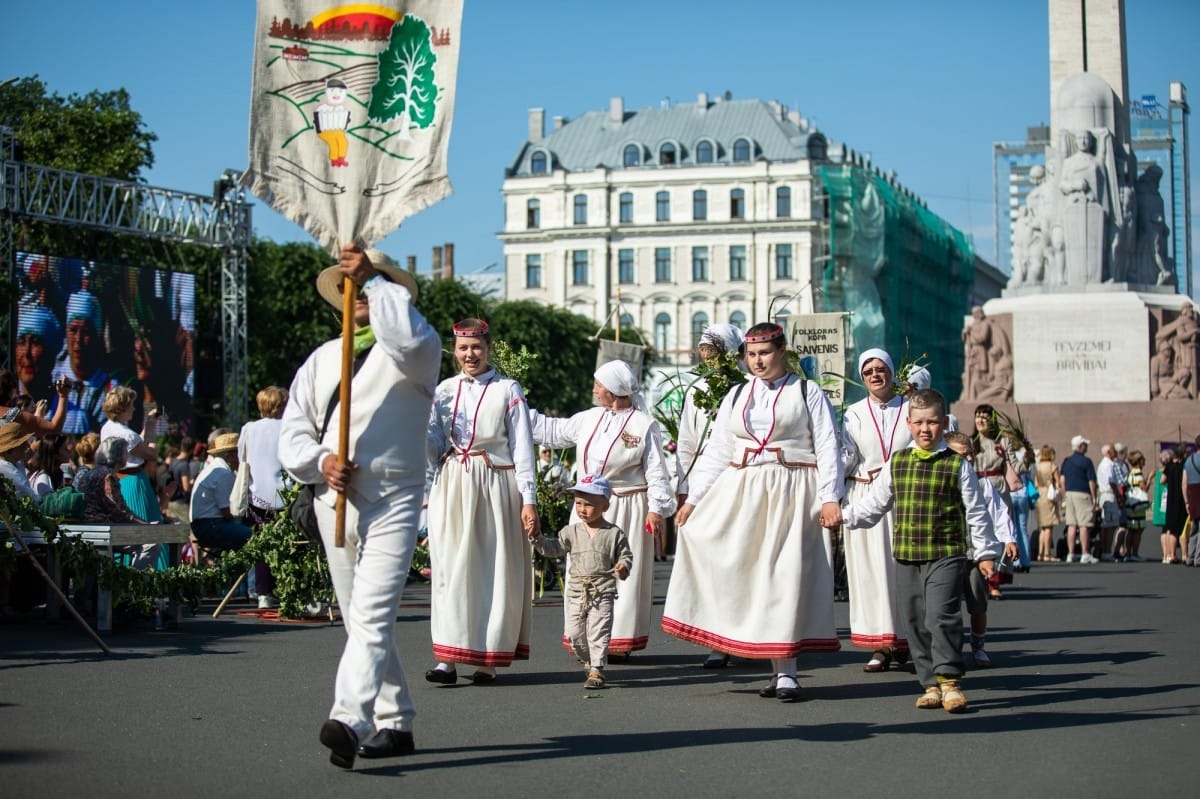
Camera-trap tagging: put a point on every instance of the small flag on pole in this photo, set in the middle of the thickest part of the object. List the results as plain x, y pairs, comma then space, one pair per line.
350, 112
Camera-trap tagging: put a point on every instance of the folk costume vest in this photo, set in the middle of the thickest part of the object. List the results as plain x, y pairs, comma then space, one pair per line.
931, 522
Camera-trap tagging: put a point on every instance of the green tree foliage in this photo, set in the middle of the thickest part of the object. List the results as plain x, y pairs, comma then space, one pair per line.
561, 380
97, 133
405, 88
285, 317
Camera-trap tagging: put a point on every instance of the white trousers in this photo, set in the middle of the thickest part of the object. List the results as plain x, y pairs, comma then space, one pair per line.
369, 572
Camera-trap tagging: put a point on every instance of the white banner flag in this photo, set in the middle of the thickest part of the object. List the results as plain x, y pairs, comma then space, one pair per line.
350, 112
820, 340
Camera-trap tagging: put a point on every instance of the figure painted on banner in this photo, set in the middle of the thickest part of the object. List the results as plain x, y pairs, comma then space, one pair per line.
331, 119
39, 340
1184, 335
397, 355
1152, 265
1087, 211
83, 364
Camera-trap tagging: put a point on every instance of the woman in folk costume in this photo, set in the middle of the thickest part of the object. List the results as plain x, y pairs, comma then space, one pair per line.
872, 429
623, 443
753, 574
482, 506
695, 427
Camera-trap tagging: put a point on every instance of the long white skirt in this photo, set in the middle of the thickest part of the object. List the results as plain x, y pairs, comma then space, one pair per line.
753, 574
482, 583
875, 620
635, 594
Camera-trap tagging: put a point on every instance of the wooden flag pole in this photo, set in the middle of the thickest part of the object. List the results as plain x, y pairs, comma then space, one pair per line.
349, 294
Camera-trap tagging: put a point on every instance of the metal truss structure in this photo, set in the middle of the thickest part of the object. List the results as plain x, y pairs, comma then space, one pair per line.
222, 221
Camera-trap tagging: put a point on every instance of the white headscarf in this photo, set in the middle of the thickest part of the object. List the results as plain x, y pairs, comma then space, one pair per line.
84, 305
919, 377
724, 337
871, 354
618, 378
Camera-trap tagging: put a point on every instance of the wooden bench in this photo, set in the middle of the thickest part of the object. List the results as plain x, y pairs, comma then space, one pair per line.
106, 537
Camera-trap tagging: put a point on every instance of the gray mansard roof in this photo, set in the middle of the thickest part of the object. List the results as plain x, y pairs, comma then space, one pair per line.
595, 139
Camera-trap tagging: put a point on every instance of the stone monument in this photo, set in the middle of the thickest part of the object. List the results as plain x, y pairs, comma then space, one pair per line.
1090, 336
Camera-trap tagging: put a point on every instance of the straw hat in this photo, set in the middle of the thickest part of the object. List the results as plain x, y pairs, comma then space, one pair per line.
329, 282
226, 442
13, 435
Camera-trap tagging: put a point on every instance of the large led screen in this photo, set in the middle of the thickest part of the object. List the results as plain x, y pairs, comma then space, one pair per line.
102, 325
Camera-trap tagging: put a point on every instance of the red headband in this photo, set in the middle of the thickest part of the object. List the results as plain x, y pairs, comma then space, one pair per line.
470, 332
758, 338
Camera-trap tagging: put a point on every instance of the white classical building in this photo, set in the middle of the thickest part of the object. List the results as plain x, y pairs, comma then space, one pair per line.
681, 216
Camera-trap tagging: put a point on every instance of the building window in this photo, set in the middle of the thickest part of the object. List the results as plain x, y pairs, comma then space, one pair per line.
737, 204
662, 264
699, 322
625, 266
738, 320
662, 334
741, 151
737, 262
699, 205
783, 202
581, 209
533, 215
533, 271
699, 264
783, 261
704, 152
625, 208
667, 154
537, 163
632, 156
579, 267
662, 206
626, 321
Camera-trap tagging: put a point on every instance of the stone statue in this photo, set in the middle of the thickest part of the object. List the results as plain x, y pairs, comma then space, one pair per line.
1039, 227
1152, 266
1164, 383
1000, 377
1124, 222
1086, 211
1183, 336
986, 347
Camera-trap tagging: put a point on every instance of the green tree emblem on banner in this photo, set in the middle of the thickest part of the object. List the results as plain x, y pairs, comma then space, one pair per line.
405, 89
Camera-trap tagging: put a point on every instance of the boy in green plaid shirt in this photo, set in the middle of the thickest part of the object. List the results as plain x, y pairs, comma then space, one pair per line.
938, 503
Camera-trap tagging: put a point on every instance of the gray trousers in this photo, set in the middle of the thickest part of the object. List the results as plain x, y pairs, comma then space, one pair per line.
931, 595
589, 623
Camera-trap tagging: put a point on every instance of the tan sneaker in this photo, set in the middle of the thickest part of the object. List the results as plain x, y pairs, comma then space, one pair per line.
595, 680
931, 699
953, 699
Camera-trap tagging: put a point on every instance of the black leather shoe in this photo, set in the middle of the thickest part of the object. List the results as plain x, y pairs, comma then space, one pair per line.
483, 678
788, 694
768, 692
388, 743
716, 661
441, 677
342, 743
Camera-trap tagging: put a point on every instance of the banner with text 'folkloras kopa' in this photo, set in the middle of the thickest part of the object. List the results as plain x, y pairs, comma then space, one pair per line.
350, 112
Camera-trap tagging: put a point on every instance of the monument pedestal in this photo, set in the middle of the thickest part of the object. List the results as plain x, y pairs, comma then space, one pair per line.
1081, 364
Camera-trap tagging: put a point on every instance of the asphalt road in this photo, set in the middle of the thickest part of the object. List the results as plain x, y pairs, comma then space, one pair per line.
1093, 694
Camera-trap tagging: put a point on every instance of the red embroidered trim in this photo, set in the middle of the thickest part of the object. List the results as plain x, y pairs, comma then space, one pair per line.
886, 450
747, 649
762, 443
616, 438
466, 451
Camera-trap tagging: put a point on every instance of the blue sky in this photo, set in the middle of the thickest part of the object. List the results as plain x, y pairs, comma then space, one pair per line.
925, 87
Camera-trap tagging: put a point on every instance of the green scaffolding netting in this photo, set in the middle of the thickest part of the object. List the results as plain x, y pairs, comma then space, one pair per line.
903, 272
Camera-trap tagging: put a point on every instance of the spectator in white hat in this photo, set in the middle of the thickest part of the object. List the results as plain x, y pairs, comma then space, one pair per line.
1077, 477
